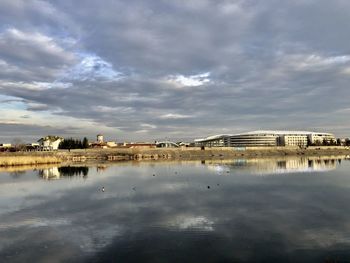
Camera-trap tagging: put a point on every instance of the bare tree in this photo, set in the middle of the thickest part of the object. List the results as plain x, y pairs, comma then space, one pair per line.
18, 144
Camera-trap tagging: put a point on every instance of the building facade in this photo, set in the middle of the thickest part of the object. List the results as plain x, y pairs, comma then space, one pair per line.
254, 140
294, 140
50, 142
213, 141
265, 139
317, 138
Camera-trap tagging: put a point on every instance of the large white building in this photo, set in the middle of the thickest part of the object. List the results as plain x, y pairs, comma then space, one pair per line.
50, 142
266, 138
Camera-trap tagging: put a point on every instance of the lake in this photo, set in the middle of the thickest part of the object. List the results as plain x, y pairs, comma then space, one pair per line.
243, 210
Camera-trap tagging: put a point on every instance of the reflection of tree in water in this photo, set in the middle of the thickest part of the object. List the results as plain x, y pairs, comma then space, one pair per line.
73, 171
54, 173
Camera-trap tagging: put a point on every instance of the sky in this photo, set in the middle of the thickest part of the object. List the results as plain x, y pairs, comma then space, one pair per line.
150, 70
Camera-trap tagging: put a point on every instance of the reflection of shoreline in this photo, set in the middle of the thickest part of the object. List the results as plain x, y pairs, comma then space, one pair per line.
23, 168
54, 173
258, 165
153, 154
278, 165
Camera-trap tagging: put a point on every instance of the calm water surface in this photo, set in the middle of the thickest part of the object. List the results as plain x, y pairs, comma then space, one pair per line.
258, 210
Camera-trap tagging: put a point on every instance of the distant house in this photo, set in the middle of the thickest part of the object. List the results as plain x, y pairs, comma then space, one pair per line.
32, 146
5, 147
50, 142
111, 144
102, 145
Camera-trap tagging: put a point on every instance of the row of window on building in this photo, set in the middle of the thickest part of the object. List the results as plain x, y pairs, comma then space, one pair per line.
267, 138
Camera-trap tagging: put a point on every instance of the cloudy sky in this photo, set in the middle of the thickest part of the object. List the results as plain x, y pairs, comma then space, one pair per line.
145, 70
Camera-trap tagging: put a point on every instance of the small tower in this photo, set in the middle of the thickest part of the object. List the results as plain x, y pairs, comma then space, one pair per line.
99, 138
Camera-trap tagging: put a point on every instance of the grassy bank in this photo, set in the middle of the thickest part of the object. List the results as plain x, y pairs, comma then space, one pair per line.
6, 161
123, 154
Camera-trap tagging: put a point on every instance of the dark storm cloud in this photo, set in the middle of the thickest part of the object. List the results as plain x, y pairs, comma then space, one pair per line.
135, 65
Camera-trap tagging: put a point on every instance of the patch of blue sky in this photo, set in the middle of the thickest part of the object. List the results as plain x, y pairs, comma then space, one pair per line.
92, 67
13, 103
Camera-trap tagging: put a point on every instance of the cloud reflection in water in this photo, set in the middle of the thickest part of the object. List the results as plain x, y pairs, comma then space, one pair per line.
240, 217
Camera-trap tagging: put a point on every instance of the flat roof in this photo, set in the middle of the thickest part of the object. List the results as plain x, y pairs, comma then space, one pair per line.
277, 132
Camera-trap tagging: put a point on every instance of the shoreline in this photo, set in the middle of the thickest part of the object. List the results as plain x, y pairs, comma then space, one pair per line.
172, 154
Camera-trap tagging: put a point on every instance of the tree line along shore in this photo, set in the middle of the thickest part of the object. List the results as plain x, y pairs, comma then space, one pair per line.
183, 153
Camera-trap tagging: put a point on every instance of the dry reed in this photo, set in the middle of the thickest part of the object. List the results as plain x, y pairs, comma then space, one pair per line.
28, 160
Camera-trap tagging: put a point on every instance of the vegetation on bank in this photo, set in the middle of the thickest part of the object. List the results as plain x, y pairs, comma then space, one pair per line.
337, 142
71, 143
28, 160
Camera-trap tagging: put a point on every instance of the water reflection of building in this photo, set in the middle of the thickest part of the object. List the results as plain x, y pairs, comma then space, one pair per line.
277, 165
323, 164
53, 173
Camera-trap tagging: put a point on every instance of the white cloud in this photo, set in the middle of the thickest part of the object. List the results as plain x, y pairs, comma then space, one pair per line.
317, 60
148, 126
302, 61
35, 86
174, 116
142, 131
190, 81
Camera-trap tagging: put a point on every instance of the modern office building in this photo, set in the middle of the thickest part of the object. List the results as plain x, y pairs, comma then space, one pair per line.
252, 139
219, 140
265, 139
